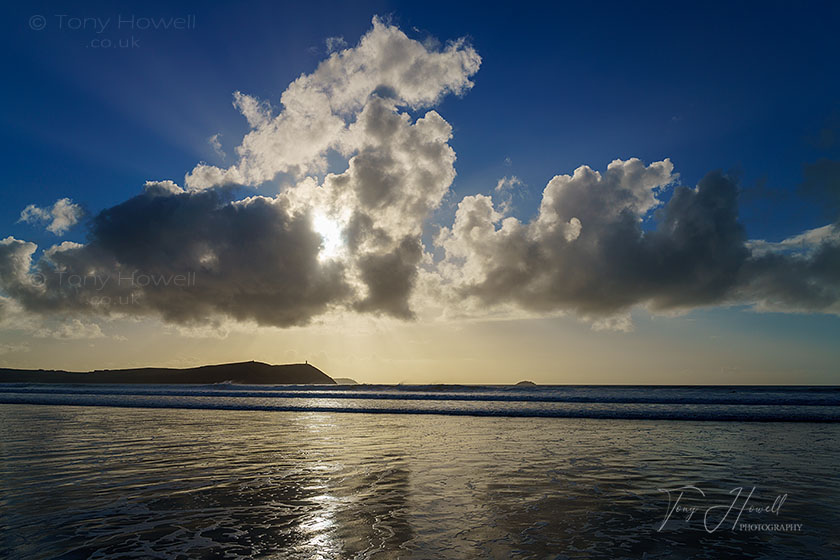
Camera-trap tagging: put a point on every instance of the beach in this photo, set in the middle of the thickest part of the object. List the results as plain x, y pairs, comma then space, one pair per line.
129, 482
403, 280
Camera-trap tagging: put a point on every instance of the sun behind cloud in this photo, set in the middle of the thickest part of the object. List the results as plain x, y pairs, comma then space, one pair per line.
332, 237
353, 240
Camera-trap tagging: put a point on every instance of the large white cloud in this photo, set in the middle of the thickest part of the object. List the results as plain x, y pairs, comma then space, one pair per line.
317, 107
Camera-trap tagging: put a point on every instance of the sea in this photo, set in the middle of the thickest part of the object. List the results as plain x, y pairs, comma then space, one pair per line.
409, 471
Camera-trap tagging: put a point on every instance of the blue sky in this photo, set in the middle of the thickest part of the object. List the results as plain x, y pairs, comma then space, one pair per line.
750, 89
745, 88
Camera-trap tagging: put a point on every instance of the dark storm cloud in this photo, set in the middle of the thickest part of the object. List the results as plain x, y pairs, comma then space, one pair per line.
390, 278
794, 282
698, 248
588, 249
187, 257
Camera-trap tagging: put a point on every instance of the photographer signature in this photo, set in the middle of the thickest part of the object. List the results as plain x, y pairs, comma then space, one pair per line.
675, 497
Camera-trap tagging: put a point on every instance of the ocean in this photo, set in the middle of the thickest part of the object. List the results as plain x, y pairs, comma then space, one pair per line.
227, 471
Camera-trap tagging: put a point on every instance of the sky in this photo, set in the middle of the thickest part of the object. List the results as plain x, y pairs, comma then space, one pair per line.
425, 193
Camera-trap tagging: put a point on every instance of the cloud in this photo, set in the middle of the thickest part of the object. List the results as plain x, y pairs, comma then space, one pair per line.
603, 243
74, 329
799, 274
506, 187
58, 218
350, 239
14, 318
13, 348
506, 184
335, 43
15, 263
622, 322
216, 144
318, 107
186, 257
162, 188
197, 254
390, 277
803, 244
400, 174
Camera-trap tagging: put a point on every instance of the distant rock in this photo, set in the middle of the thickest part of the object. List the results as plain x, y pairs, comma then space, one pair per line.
526, 384
245, 373
345, 381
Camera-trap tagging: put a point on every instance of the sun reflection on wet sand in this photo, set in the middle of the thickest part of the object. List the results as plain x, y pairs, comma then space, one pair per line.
108, 482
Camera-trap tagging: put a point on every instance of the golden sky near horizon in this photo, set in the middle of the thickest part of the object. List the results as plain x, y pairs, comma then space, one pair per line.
659, 350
